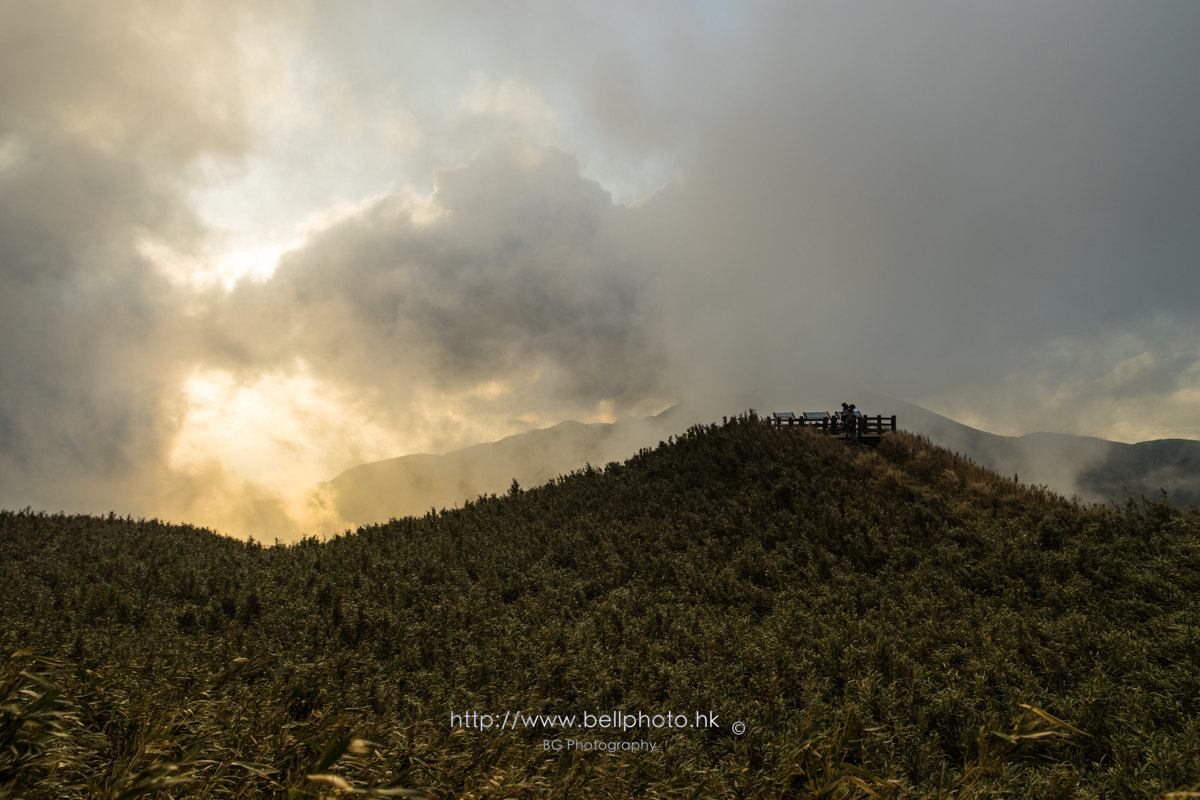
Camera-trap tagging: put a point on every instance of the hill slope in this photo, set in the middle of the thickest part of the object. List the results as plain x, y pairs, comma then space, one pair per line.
1095, 470
897, 619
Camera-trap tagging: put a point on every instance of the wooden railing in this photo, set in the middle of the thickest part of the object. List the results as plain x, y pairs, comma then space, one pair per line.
825, 422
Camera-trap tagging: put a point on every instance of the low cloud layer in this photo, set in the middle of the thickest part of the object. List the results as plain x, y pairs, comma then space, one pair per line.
246, 247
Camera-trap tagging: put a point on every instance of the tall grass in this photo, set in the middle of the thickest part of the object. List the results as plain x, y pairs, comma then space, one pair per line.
895, 622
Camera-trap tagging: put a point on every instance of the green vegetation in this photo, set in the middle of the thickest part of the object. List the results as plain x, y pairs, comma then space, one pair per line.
893, 622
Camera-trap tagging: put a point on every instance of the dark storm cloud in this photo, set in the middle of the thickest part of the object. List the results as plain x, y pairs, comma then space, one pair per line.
509, 269
80, 318
920, 197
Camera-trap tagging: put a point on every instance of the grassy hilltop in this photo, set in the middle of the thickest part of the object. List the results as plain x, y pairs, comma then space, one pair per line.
892, 623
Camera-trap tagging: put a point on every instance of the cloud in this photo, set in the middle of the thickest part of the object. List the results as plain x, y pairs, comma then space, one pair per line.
135, 81
509, 275
1136, 384
458, 220
922, 202
102, 118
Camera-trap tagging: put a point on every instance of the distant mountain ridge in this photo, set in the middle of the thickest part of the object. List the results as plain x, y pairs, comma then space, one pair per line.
1094, 470
412, 485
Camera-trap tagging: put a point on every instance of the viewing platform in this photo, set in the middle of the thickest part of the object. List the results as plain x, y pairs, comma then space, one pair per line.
870, 427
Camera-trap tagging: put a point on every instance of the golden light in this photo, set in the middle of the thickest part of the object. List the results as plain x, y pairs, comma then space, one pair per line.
208, 269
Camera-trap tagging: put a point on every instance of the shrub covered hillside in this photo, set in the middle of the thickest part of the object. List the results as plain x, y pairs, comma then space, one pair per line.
766, 613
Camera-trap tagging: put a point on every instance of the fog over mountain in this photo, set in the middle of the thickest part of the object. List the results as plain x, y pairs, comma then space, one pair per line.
412, 485
1090, 469
247, 246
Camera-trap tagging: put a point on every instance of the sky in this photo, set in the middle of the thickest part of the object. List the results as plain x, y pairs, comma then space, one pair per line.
246, 245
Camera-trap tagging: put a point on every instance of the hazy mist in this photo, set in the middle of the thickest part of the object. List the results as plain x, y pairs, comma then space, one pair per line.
247, 246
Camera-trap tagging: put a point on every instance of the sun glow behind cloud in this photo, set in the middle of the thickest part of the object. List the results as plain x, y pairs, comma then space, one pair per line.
207, 270
280, 429
271, 438
274, 437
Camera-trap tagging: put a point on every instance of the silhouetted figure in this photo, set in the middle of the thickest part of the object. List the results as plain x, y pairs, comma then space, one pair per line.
850, 422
